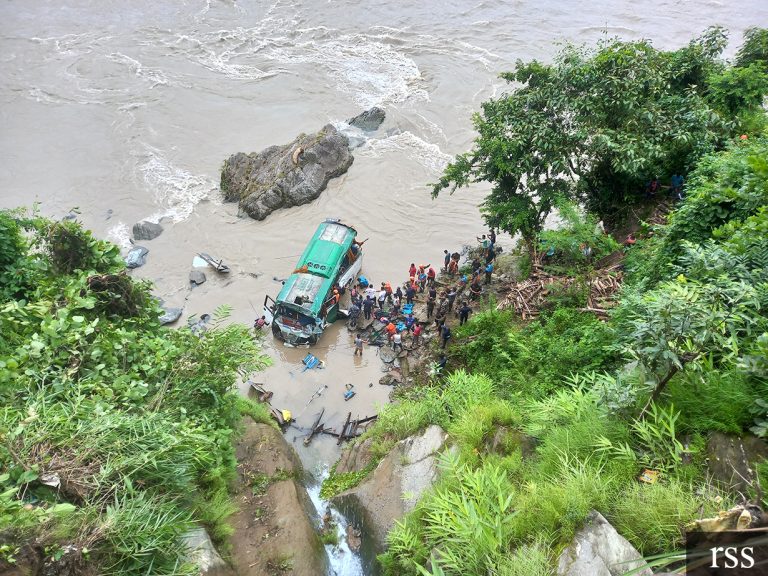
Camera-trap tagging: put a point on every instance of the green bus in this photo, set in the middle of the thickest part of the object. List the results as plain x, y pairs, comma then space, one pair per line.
306, 305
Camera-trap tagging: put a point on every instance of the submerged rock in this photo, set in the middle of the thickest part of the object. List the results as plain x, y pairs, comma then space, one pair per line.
370, 120
598, 550
285, 176
145, 230
136, 257
395, 486
196, 277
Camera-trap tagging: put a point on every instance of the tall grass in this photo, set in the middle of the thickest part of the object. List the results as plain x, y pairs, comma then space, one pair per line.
652, 516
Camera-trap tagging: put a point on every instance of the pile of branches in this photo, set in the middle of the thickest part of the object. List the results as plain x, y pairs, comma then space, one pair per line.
529, 297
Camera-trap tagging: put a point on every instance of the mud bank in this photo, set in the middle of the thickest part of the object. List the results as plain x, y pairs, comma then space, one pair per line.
273, 530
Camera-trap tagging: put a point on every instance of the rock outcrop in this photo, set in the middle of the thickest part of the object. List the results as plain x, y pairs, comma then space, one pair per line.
598, 550
731, 459
169, 315
196, 277
146, 230
273, 532
202, 552
285, 176
395, 485
368, 121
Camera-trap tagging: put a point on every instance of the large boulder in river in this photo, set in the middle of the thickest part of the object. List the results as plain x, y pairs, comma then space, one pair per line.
368, 121
285, 176
146, 230
395, 486
598, 550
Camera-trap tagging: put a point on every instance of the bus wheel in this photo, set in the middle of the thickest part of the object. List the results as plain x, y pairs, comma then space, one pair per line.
276, 330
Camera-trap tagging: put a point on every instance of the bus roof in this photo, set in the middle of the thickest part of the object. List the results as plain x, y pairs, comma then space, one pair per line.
322, 258
327, 248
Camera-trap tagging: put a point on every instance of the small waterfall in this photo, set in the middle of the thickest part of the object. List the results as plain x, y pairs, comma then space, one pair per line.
342, 561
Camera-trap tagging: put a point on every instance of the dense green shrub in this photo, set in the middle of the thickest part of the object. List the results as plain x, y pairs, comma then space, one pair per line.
135, 421
533, 360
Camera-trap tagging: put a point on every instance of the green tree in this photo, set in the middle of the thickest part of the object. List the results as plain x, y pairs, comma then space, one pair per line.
593, 126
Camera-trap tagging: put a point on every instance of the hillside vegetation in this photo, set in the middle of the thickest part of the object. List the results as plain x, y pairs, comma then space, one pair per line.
559, 415
116, 434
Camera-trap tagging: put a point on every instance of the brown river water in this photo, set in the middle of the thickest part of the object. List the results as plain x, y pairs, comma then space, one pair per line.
128, 109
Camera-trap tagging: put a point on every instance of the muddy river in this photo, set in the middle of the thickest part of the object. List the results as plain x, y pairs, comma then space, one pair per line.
127, 110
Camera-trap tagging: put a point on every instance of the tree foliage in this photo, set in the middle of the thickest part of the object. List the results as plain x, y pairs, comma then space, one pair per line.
596, 125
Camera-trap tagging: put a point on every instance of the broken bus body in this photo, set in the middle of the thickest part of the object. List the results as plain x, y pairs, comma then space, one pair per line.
305, 306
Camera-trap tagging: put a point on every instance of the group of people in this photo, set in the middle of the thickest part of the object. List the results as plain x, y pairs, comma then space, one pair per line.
366, 298
676, 182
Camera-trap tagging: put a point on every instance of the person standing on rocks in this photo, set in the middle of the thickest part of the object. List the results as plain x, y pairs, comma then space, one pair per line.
397, 342
464, 313
431, 302
431, 276
446, 334
453, 264
395, 306
451, 297
447, 260
417, 329
367, 307
358, 346
382, 296
422, 279
488, 272
439, 318
410, 293
412, 270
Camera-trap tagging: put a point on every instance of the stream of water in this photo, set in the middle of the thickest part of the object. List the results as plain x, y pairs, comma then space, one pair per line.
128, 109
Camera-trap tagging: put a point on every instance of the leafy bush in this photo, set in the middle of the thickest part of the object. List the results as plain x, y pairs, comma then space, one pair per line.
467, 518
713, 400
534, 360
577, 230
436, 405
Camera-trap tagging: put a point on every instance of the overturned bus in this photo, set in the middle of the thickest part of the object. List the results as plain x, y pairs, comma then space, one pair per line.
306, 305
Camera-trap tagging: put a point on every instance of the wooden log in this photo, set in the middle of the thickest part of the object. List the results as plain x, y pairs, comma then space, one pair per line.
316, 428
344, 428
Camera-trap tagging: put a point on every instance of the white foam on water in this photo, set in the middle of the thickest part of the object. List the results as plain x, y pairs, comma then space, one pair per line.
71, 44
177, 191
219, 51
428, 155
372, 72
120, 234
154, 76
